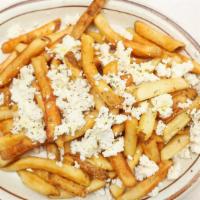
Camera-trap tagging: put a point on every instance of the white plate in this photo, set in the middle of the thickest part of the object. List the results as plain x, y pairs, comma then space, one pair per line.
29, 13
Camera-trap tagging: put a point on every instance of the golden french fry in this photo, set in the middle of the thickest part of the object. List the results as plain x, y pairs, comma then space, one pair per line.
118, 129
6, 113
44, 30
146, 124
159, 38
95, 185
122, 169
174, 146
135, 160
144, 187
52, 149
151, 150
130, 137
90, 70
87, 17
37, 184
116, 191
100, 162
67, 185
63, 194
142, 50
33, 49
112, 174
151, 89
128, 78
110, 68
63, 170
55, 63
6, 126
97, 100
20, 47
174, 126
7, 96
52, 114
96, 36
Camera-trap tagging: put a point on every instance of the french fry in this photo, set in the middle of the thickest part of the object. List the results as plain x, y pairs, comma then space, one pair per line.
151, 150
55, 63
20, 47
112, 174
135, 160
122, 169
35, 48
90, 121
65, 170
146, 124
6, 113
110, 68
97, 100
52, 149
152, 89
67, 185
96, 36
100, 162
87, 17
116, 191
90, 169
95, 185
130, 137
159, 38
37, 184
174, 126
118, 129
146, 186
113, 37
63, 194
174, 146
7, 96
6, 126
27, 38
52, 114
128, 78
90, 70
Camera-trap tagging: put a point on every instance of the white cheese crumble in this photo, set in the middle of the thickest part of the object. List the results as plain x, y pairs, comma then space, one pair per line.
51, 156
163, 71
76, 165
138, 111
29, 117
101, 137
68, 44
175, 170
122, 31
163, 104
59, 163
180, 69
160, 127
192, 79
130, 157
73, 99
194, 131
1, 99
185, 153
103, 193
146, 168
185, 105
117, 182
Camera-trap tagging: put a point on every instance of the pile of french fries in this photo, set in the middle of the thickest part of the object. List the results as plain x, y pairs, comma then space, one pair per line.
59, 178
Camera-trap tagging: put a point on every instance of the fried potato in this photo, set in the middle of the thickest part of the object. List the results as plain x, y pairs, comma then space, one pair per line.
52, 149
44, 30
6, 113
116, 191
110, 68
147, 185
118, 129
20, 47
33, 49
52, 113
65, 170
174, 146
130, 137
63, 194
90, 70
122, 169
157, 37
152, 89
99, 103
95, 185
96, 36
87, 17
6, 126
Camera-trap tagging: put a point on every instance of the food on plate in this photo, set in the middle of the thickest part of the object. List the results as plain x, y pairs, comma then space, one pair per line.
89, 108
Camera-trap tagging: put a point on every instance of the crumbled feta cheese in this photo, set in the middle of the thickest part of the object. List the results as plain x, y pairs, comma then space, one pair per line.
1, 99
192, 79
122, 31
59, 163
185, 153
76, 165
29, 117
163, 71
138, 111
117, 182
185, 104
101, 137
130, 157
197, 88
103, 193
145, 168
194, 131
175, 170
180, 69
51, 156
73, 99
163, 104
68, 44
160, 127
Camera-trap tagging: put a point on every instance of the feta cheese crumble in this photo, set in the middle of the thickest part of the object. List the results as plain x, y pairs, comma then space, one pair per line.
163, 71
180, 69
29, 117
73, 99
146, 168
1, 99
160, 127
185, 104
192, 79
117, 182
101, 137
138, 111
175, 170
76, 165
163, 104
